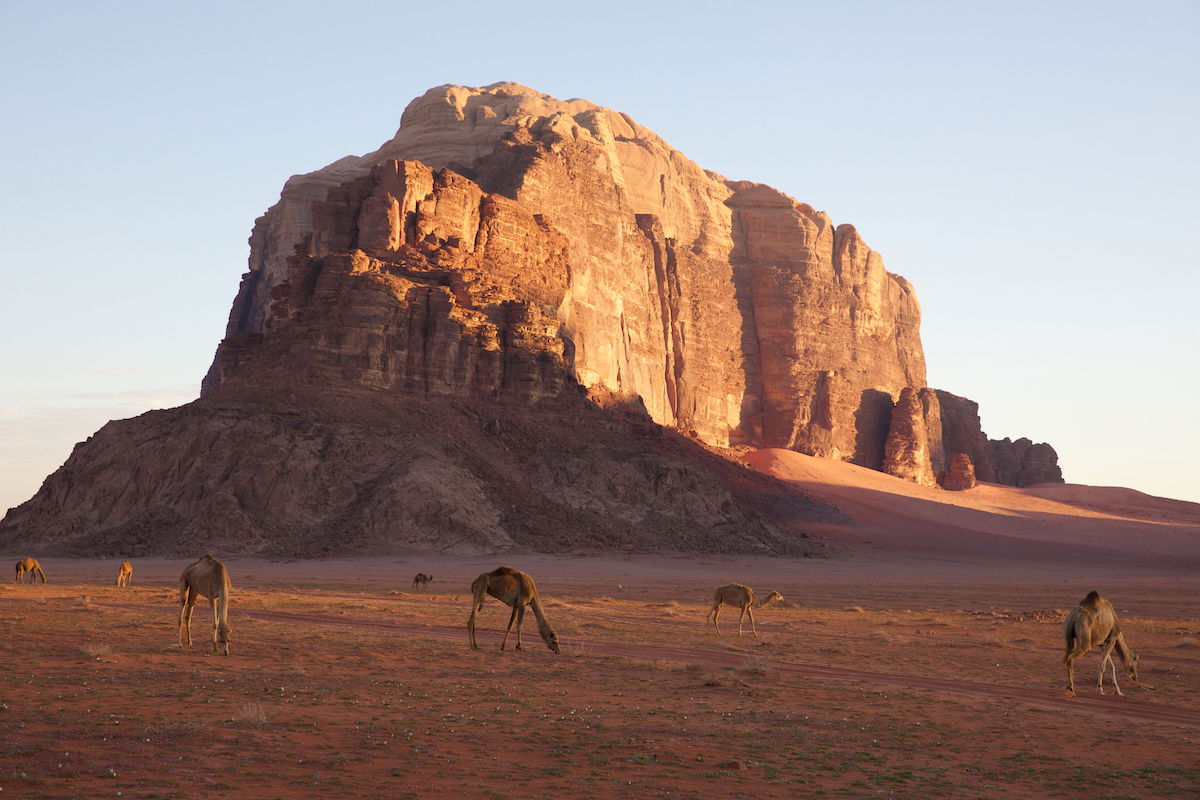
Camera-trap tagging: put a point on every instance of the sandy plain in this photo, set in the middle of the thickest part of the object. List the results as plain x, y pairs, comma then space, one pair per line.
923, 659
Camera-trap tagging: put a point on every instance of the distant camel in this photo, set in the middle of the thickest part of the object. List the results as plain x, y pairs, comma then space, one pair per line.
31, 566
742, 597
421, 580
208, 578
125, 574
1094, 623
514, 588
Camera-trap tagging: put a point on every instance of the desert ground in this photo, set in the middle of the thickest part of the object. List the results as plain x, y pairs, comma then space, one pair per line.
923, 659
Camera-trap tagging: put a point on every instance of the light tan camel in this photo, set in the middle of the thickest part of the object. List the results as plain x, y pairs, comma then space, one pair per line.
742, 597
208, 578
421, 580
514, 588
31, 566
1094, 623
125, 574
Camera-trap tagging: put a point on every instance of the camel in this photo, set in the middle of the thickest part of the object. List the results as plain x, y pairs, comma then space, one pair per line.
31, 566
1094, 623
208, 578
514, 588
741, 596
125, 574
421, 580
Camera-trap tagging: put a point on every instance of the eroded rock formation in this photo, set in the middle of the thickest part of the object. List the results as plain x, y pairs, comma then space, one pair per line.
1023, 463
726, 308
523, 323
959, 475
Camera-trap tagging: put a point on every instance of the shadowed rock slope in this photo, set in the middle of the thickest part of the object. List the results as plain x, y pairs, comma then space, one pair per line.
302, 473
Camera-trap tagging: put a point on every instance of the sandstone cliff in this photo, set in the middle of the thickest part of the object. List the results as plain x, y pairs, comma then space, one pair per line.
558, 274
726, 309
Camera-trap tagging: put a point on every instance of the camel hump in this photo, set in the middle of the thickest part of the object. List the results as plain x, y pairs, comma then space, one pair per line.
1093, 597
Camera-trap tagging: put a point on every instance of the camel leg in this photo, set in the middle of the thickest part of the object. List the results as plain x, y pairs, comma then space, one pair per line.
1070, 664
511, 619
475, 607
185, 621
742, 618
520, 621
716, 611
212, 601
753, 629
1105, 659
1113, 664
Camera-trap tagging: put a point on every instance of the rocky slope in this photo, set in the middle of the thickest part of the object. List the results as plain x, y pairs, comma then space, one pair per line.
299, 473
553, 274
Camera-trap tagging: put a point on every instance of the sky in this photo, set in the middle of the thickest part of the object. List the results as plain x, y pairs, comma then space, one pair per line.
1032, 168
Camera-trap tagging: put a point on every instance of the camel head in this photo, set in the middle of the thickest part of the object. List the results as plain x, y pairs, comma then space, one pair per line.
772, 598
1132, 668
222, 642
551, 639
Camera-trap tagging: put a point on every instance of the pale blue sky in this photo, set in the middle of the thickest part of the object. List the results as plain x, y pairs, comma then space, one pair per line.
1030, 166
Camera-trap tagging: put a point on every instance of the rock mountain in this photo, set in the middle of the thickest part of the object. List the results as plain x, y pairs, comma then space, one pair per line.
526, 322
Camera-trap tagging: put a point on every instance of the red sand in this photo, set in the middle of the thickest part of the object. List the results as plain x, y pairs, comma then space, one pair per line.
923, 660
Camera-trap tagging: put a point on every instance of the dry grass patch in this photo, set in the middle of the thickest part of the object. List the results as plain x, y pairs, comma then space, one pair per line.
96, 650
250, 715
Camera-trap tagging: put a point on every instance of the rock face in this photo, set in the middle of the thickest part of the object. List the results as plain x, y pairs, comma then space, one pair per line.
610, 241
1023, 463
524, 323
959, 475
907, 453
1019, 463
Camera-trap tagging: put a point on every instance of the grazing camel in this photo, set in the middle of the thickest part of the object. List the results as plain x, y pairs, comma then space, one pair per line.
125, 574
741, 596
514, 588
208, 578
421, 580
1094, 623
31, 566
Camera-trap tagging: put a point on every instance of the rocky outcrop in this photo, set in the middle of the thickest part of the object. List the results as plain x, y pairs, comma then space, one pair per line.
1019, 463
908, 453
959, 475
301, 473
522, 323
1023, 463
962, 432
651, 256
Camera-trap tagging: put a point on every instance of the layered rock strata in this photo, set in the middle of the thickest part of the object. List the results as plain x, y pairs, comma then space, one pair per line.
725, 309
524, 323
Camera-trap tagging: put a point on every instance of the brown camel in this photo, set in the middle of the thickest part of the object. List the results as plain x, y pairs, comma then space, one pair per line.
125, 574
421, 580
514, 588
31, 566
208, 578
1094, 623
742, 597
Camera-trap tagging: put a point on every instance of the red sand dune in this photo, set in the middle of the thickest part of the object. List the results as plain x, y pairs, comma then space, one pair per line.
1052, 520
